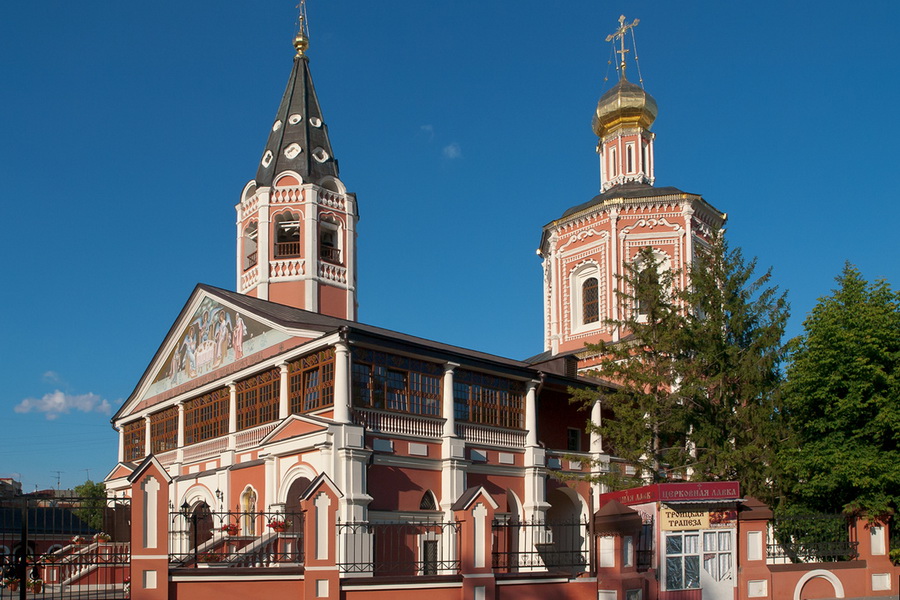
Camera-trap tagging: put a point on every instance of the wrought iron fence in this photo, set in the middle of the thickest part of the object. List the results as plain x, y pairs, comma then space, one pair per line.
398, 548
804, 538
537, 546
72, 547
199, 537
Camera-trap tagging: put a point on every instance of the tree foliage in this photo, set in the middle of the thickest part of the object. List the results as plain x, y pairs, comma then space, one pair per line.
842, 402
92, 504
697, 371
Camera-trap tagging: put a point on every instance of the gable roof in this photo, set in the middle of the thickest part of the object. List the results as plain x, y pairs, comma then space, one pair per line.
303, 326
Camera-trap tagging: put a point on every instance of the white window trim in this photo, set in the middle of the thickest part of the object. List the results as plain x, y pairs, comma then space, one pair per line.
577, 279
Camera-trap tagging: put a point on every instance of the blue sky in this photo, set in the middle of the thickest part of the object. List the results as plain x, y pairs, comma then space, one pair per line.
128, 130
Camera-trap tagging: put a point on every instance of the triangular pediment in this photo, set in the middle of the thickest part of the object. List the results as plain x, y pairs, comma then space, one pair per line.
295, 426
213, 337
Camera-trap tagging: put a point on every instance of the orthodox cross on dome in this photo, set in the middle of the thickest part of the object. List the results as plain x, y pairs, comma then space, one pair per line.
301, 40
619, 35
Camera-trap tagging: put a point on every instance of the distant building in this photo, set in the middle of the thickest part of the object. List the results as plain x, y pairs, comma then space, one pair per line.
9, 487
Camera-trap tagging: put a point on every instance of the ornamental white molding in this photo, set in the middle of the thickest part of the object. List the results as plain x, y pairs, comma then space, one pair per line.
603, 237
281, 269
650, 224
333, 273
250, 278
332, 217
249, 206
332, 200
282, 195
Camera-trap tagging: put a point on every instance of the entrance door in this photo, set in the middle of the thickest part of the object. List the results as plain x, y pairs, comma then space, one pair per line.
717, 574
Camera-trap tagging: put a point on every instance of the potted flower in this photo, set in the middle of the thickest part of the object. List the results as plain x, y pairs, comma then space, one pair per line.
279, 525
35, 585
11, 583
230, 528
79, 540
100, 536
210, 557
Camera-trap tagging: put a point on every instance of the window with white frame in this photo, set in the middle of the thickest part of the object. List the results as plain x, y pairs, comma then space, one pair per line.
682, 562
585, 297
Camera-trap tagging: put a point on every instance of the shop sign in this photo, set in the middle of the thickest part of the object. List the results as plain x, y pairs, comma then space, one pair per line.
671, 519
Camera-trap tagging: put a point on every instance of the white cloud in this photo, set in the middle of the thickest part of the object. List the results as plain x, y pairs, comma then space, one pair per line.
51, 377
57, 403
452, 151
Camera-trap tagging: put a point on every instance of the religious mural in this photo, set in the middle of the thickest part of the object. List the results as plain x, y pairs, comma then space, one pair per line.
215, 337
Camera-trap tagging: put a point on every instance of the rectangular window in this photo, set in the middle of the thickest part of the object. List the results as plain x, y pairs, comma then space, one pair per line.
134, 433
488, 400
257, 399
311, 382
629, 156
573, 439
206, 417
396, 383
164, 430
682, 561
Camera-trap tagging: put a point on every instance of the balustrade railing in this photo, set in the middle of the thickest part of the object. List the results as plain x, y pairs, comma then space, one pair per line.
379, 421
203, 538
286, 249
491, 436
330, 254
213, 447
251, 437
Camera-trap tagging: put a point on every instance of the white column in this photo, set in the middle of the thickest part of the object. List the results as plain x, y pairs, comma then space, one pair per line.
556, 295
531, 420
688, 212
263, 241
148, 448
311, 247
121, 443
453, 449
447, 397
180, 442
341, 382
284, 408
613, 268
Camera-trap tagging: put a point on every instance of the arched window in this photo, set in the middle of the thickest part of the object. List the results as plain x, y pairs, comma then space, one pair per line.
590, 300
287, 235
248, 511
250, 254
429, 502
329, 241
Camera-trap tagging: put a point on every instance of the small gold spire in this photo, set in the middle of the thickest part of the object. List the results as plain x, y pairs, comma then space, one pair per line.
301, 40
619, 34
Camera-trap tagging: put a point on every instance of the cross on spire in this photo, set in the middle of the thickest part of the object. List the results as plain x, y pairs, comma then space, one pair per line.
301, 40
619, 35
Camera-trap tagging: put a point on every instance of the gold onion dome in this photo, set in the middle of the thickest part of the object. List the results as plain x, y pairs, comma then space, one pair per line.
625, 104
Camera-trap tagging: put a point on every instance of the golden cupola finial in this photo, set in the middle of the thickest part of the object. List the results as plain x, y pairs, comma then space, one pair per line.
301, 40
626, 104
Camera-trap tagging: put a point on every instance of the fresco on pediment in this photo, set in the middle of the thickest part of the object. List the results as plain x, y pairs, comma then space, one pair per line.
215, 336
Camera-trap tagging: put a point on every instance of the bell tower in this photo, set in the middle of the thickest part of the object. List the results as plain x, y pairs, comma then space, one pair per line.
585, 251
296, 222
